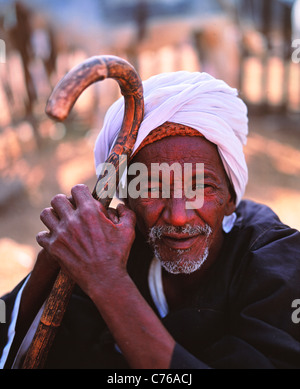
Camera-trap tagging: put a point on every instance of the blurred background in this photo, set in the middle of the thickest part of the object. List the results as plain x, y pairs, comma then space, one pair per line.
248, 43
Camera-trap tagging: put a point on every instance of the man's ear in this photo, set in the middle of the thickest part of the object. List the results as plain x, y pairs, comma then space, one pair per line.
231, 201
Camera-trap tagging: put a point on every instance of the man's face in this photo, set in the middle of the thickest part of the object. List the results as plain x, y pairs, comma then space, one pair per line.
183, 238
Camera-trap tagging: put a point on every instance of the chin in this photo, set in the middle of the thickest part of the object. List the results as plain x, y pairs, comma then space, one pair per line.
181, 265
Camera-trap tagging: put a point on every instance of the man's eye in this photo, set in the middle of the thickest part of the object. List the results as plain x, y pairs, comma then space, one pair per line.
198, 186
201, 186
154, 191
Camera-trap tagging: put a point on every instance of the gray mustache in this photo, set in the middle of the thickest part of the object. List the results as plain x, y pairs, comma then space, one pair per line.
157, 232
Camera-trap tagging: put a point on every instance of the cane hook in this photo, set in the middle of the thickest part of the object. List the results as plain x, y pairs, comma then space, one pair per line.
58, 107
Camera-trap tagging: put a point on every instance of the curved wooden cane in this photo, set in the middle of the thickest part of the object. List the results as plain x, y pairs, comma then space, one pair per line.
58, 107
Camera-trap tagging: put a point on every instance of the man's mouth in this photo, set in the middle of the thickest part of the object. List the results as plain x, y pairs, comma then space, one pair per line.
180, 241
180, 249
179, 238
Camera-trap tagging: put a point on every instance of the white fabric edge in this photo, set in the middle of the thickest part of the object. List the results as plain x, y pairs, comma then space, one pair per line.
228, 222
28, 339
12, 326
156, 288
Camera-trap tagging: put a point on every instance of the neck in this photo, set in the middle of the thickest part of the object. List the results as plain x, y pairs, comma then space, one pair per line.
180, 288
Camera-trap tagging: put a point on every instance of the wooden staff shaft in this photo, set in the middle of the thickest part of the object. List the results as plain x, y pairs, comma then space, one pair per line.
58, 107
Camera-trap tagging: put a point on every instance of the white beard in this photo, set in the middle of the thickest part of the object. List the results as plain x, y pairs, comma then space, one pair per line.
179, 265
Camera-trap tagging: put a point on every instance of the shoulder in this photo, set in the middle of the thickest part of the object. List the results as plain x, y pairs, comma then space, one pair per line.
261, 248
264, 252
252, 213
258, 225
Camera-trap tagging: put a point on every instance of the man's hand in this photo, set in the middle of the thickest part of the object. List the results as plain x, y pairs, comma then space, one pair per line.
90, 243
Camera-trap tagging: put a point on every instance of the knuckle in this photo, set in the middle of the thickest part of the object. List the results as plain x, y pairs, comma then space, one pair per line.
58, 240
131, 216
78, 188
86, 208
41, 238
57, 198
44, 213
71, 223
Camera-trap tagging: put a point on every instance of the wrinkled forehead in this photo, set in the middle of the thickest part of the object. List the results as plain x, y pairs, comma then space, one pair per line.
172, 142
188, 150
167, 130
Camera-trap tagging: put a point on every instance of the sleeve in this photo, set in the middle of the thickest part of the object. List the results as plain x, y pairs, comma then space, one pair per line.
262, 332
258, 328
182, 359
7, 330
262, 292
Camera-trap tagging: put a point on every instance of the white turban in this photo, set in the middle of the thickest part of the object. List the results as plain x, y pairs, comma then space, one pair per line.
196, 100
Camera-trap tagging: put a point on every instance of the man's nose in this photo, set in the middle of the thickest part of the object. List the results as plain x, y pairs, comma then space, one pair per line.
175, 212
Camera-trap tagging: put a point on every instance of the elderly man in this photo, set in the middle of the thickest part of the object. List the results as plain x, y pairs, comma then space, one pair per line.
160, 284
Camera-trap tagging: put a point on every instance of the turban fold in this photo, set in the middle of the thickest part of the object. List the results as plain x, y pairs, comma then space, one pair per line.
193, 99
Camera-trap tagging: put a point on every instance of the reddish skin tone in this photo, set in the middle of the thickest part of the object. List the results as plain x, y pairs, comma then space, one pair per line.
218, 202
100, 268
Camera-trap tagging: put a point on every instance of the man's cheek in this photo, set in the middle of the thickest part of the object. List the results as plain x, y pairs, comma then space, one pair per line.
212, 210
148, 212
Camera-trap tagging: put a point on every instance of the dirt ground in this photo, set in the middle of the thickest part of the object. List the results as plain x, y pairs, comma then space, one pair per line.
272, 153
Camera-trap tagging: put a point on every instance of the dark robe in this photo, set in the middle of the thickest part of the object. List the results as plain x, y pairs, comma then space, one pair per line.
240, 317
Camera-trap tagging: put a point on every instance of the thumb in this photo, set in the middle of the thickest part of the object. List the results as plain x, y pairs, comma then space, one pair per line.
126, 215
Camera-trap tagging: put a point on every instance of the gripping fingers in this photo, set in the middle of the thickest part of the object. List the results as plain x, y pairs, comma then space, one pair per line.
49, 218
112, 215
61, 205
126, 215
81, 194
43, 239
46, 241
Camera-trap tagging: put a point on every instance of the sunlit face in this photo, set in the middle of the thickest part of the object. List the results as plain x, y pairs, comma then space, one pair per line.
184, 239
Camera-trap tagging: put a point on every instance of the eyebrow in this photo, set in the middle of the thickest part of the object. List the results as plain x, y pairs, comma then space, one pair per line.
211, 175
206, 175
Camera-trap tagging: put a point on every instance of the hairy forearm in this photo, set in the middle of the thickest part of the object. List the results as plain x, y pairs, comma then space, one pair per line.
138, 332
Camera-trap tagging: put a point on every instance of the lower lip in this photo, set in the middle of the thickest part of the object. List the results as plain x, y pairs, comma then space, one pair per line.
180, 244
